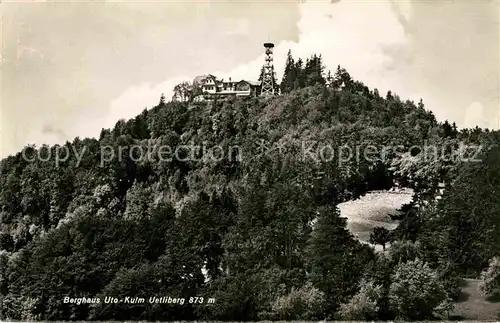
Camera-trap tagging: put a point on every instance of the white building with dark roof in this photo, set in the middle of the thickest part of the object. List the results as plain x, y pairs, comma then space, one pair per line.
211, 86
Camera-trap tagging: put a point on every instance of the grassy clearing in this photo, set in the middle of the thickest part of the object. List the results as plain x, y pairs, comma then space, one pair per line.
472, 305
372, 210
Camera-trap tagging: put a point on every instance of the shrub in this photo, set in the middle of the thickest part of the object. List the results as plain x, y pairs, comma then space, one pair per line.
416, 291
403, 251
364, 305
306, 303
490, 277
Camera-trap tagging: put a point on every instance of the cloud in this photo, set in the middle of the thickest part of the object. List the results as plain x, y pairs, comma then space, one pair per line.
137, 98
96, 55
51, 129
474, 115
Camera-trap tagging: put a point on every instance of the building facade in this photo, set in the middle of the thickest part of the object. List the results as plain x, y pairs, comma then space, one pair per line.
212, 87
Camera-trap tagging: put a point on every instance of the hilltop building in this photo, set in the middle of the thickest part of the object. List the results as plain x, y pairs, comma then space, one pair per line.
211, 87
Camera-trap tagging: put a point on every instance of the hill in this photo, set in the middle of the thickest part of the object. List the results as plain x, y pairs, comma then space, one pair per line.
234, 201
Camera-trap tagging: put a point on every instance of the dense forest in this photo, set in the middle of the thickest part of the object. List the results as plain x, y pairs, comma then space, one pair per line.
256, 233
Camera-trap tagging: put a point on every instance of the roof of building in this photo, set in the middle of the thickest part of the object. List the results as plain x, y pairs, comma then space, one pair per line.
254, 83
247, 81
202, 78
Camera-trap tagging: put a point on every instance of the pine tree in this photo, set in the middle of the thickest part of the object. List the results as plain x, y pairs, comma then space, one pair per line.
329, 78
421, 104
261, 75
333, 255
290, 74
275, 82
300, 79
342, 78
314, 71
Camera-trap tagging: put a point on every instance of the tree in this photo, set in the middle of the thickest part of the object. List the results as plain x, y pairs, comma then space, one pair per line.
449, 130
341, 78
253, 233
421, 104
6, 241
300, 81
415, 291
424, 170
329, 78
205, 222
490, 277
467, 218
404, 251
261, 74
305, 303
334, 258
184, 92
381, 236
138, 199
445, 308
313, 71
289, 75
363, 306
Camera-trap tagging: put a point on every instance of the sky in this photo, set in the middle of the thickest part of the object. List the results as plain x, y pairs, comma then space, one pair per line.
71, 68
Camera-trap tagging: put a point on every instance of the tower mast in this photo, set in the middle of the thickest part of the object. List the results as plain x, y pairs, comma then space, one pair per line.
268, 86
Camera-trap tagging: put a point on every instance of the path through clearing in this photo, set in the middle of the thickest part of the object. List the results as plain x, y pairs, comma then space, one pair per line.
373, 210
474, 306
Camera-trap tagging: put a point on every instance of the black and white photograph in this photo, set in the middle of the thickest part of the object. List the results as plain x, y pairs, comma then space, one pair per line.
249, 160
